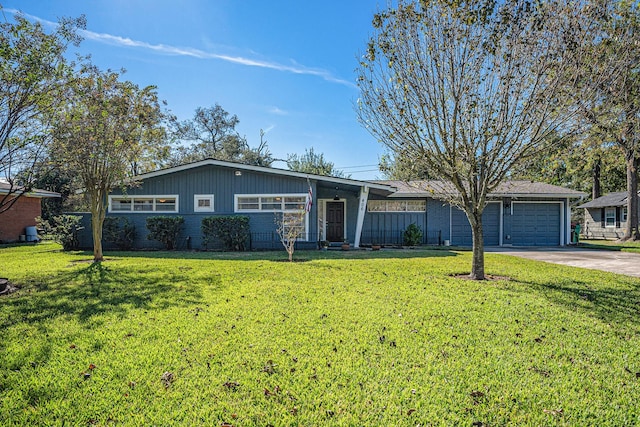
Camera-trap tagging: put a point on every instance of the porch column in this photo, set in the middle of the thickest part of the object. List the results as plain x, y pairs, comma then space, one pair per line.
362, 209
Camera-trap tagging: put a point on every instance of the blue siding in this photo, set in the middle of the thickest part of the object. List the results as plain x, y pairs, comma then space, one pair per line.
388, 227
438, 218
223, 183
461, 229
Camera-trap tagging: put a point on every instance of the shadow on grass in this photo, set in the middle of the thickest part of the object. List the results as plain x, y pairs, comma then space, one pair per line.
309, 255
97, 289
615, 300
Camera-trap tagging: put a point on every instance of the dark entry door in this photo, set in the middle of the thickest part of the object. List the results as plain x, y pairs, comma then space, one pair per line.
335, 221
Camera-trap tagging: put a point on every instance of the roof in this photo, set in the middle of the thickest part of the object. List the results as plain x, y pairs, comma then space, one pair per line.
612, 199
268, 170
435, 188
6, 188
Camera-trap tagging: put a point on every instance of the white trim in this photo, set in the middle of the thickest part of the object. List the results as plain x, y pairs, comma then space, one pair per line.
607, 210
544, 202
362, 210
282, 209
324, 214
567, 229
132, 197
197, 197
268, 170
500, 241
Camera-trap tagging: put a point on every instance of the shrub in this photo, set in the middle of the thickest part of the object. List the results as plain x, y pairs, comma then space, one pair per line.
63, 229
165, 229
232, 231
119, 231
412, 235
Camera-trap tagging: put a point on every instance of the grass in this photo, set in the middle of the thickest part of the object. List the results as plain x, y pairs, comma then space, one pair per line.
345, 338
612, 245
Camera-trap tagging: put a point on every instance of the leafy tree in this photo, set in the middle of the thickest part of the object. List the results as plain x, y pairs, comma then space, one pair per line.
399, 166
311, 162
213, 134
98, 133
33, 74
605, 83
466, 90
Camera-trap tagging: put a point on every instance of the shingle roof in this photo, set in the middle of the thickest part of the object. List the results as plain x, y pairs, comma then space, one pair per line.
6, 188
612, 199
434, 188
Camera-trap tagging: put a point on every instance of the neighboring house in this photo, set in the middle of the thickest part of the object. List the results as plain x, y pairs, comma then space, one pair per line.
362, 212
22, 213
606, 216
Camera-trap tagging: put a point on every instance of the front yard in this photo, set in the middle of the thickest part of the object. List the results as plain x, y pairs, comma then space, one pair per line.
345, 338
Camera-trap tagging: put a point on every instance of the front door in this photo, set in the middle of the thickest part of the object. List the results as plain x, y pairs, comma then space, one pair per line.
335, 221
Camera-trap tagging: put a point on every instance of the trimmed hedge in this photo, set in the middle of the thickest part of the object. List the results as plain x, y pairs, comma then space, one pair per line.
232, 231
412, 235
165, 229
119, 231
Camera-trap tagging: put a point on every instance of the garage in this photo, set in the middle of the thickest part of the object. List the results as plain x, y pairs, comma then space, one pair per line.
536, 224
461, 229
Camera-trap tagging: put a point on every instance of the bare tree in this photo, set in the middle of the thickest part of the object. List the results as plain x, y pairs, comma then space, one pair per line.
464, 89
290, 227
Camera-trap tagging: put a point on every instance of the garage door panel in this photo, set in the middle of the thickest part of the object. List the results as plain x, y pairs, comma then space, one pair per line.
536, 224
461, 229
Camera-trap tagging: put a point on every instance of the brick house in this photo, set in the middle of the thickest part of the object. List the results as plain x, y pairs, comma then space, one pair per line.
22, 213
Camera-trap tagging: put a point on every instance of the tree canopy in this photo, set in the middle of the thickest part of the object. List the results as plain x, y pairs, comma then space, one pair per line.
312, 162
466, 90
98, 134
33, 75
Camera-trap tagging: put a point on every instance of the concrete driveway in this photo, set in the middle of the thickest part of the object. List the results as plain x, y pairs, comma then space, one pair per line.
612, 261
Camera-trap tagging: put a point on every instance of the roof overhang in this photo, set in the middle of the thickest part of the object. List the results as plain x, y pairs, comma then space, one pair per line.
267, 170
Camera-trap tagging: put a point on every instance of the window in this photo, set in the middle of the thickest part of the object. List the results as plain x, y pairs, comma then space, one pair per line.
293, 223
143, 203
270, 202
203, 203
610, 217
291, 205
397, 206
624, 214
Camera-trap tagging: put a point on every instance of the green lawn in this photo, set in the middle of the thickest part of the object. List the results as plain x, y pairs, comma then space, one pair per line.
613, 245
344, 339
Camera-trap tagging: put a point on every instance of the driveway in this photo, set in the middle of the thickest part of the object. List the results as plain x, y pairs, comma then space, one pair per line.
612, 261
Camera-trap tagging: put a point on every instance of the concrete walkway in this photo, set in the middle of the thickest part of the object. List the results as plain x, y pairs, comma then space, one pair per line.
612, 261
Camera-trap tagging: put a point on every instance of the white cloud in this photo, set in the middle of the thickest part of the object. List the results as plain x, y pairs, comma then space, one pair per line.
277, 111
165, 49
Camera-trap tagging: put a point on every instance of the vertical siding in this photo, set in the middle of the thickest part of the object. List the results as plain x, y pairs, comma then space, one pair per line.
438, 218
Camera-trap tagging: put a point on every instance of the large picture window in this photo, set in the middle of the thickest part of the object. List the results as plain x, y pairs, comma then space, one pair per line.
397, 205
143, 204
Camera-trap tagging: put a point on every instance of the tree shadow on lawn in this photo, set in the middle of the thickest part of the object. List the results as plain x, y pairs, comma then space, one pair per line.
308, 255
613, 299
98, 289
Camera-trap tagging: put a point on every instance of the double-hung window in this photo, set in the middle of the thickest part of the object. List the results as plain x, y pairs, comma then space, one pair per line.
203, 203
610, 217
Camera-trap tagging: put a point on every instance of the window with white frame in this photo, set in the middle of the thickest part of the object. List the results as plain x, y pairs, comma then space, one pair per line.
610, 217
143, 204
270, 202
397, 205
203, 203
291, 205
623, 217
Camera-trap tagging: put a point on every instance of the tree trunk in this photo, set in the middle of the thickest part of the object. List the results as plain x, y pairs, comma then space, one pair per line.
595, 175
98, 211
631, 230
477, 264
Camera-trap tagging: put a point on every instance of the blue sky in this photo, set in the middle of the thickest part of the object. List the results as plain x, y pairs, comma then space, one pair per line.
284, 66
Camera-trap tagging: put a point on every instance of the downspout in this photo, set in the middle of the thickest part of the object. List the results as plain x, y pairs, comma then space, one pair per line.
362, 209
